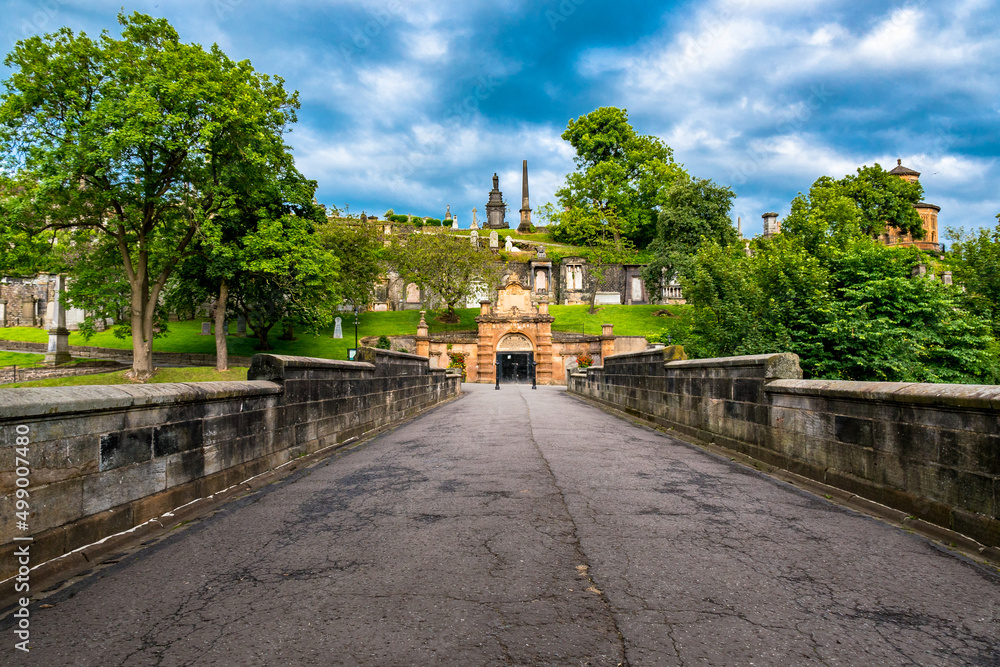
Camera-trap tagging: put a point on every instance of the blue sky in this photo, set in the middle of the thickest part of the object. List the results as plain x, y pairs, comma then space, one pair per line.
414, 104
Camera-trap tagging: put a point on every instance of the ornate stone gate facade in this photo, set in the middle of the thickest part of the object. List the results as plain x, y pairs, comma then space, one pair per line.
514, 325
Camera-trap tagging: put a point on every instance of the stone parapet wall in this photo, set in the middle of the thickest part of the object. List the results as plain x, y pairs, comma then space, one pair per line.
104, 459
125, 356
930, 450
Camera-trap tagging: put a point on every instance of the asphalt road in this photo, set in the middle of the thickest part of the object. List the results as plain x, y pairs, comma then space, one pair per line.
525, 527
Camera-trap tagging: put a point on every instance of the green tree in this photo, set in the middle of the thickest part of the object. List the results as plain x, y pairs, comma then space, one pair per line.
975, 259
139, 139
884, 199
617, 169
447, 265
361, 254
850, 307
285, 276
695, 210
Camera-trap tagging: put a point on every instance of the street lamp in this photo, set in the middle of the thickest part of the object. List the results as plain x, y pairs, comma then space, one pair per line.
534, 374
496, 372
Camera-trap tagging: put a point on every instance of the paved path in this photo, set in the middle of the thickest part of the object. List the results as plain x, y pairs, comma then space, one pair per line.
524, 527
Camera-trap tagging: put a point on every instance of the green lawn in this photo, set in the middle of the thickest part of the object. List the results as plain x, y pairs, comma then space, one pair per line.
185, 336
118, 377
20, 359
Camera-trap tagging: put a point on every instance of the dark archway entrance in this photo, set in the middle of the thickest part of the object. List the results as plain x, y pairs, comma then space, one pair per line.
514, 366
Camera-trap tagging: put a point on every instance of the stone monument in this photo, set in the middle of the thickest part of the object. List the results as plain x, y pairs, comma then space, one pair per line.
58, 351
496, 209
475, 223
525, 225
494, 239
241, 326
206, 329
508, 245
338, 331
474, 237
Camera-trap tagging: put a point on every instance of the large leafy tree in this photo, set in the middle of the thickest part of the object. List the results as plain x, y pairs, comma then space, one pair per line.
359, 249
447, 265
975, 258
277, 219
285, 276
850, 307
139, 140
619, 172
695, 210
884, 200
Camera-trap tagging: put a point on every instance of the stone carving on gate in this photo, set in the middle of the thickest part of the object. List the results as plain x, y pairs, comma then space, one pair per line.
515, 342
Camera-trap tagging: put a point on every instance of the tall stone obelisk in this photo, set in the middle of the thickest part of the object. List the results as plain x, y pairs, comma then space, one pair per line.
525, 225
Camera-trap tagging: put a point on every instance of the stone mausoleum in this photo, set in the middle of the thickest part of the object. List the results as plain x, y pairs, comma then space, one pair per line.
515, 337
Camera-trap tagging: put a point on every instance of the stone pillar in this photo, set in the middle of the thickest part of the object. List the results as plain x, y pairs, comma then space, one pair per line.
241, 326
544, 371
3, 313
58, 350
423, 340
485, 356
607, 341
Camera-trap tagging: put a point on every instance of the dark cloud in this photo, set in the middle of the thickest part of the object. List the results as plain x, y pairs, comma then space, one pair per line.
413, 105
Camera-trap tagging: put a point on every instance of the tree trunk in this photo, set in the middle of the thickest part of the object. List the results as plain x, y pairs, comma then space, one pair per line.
221, 348
142, 329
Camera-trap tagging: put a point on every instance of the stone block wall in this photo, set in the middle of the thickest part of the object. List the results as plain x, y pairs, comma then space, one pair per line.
930, 450
104, 459
125, 356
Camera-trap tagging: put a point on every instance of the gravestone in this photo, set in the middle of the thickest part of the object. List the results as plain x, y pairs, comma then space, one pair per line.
206, 329
541, 252
454, 222
3, 312
475, 223
241, 326
58, 350
474, 237
509, 245
338, 331
494, 239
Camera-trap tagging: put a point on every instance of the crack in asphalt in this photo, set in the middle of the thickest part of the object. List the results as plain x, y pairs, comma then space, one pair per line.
576, 536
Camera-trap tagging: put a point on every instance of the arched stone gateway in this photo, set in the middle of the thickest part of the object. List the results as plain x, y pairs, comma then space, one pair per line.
514, 337
515, 358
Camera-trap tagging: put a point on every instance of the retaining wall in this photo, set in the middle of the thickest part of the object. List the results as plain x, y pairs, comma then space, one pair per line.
930, 450
124, 356
104, 459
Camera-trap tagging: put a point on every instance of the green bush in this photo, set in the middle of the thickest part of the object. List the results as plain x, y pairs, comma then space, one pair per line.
433, 222
383, 343
399, 218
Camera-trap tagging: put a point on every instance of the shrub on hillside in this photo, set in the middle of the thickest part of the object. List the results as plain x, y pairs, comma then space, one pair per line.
383, 343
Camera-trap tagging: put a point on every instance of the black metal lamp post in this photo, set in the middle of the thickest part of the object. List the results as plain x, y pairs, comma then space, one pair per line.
496, 367
356, 328
534, 374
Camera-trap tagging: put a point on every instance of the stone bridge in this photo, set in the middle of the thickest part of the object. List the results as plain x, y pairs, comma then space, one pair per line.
514, 527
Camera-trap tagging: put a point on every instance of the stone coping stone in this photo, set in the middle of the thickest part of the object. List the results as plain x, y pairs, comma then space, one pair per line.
782, 365
273, 367
670, 354
38, 401
372, 353
975, 396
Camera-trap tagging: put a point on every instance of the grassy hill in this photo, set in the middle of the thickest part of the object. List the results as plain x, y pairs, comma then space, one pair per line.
185, 336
